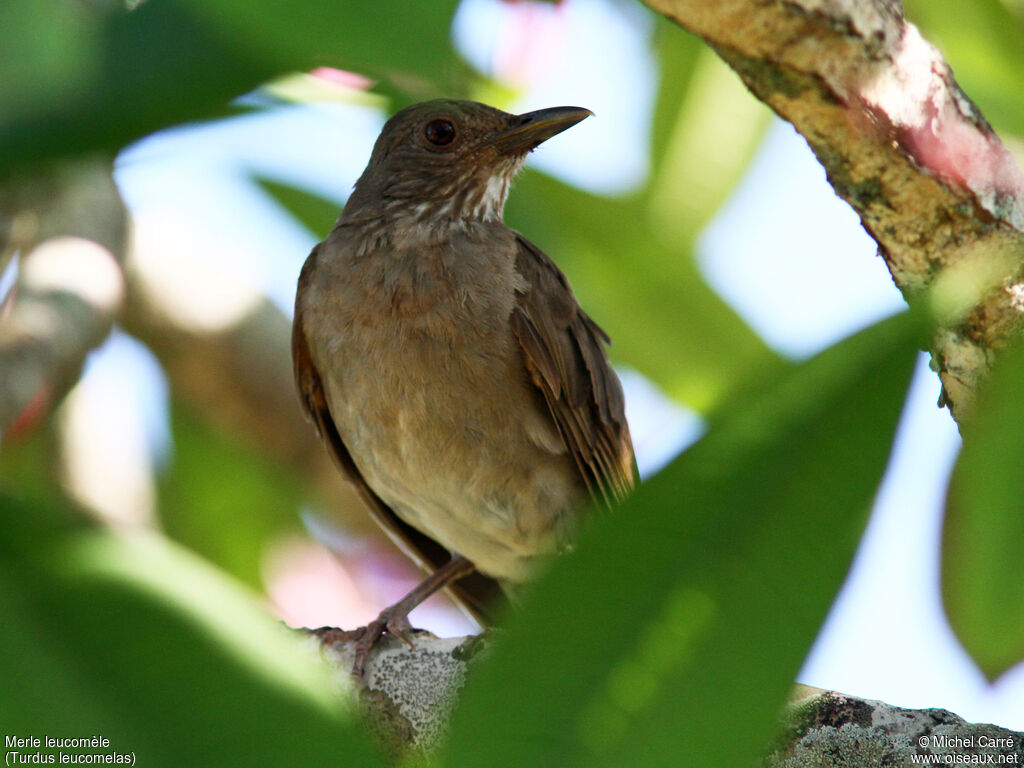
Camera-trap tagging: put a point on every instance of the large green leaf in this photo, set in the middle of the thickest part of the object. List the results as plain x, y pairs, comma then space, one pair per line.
130, 638
983, 536
983, 40
80, 77
691, 608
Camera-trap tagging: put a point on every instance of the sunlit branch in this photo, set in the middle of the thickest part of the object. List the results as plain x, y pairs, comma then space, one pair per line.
903, 145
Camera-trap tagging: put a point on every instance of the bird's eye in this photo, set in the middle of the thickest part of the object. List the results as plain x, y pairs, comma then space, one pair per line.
439, 132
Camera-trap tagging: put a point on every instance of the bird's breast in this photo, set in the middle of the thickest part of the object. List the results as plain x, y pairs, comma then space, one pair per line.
428, 388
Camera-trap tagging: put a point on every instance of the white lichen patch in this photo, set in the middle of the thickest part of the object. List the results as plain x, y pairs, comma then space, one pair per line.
849, 746
832, 730
422, 683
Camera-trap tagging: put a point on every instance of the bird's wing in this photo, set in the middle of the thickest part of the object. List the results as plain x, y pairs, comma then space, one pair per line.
480, 594
565, 354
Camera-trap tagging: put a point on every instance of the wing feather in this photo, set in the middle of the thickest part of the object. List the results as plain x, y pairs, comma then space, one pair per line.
565, 353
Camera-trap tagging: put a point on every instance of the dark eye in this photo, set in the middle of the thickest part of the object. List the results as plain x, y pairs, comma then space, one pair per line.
439, 132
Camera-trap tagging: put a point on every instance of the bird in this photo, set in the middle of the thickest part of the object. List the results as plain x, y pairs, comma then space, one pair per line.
449, 368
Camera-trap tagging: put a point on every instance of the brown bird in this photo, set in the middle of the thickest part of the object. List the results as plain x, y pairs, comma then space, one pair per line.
447, 365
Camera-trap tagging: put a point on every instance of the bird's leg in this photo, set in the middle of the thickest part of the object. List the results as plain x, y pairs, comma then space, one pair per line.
395, 618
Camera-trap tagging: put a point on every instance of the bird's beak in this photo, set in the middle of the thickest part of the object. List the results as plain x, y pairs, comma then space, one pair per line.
532, 128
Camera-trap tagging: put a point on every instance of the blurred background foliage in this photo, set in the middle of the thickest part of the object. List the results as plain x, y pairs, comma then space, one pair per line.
123, 620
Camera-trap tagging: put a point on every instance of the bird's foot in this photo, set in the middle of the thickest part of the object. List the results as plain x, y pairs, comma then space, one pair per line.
393, 620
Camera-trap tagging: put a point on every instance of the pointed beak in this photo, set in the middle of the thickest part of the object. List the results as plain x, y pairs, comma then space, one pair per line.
527, 131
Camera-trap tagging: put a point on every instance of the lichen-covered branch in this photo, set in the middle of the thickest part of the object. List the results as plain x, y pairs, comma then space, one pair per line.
408, 693
903, 145
68, 226
832, 729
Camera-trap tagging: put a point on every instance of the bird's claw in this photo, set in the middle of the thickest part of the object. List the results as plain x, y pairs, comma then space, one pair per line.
394, 622
391, 621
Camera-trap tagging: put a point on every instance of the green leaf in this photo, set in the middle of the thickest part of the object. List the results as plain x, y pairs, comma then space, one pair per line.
677, 53
81, 78
30, 463
223, 498
983, 535
692, 607
95, 80
131, 638
983, 41
718, 127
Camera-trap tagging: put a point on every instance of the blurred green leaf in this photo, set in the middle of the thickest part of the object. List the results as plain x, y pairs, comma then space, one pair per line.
706, 150
677, 53
983, 41
132, 73
30, 463
983, 536
223, 498
397, 39
131, 638
317, 214
83, 78
691, 608
50, 53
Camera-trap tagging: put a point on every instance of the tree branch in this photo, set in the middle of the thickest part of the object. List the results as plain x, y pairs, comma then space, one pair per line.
408, 694
825, 728
903, 145
68, 226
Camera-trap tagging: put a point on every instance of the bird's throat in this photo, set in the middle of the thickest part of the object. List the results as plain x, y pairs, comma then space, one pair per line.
479, 197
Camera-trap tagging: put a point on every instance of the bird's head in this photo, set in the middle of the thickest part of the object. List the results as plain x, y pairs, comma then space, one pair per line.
450, 160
